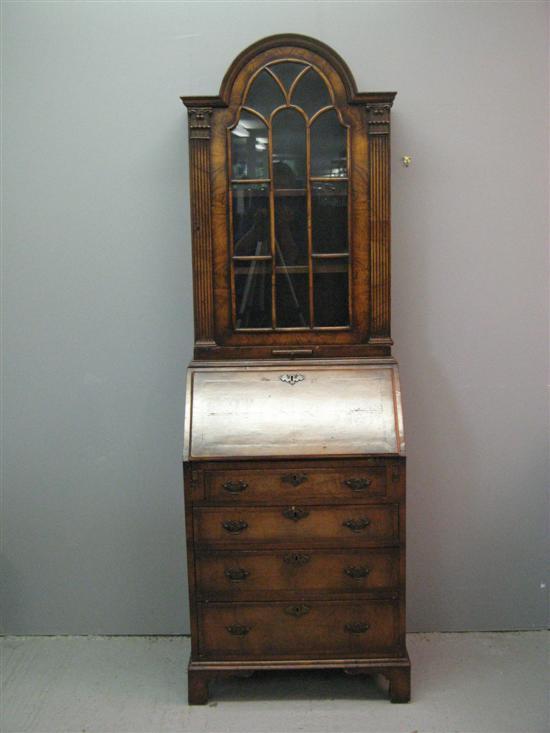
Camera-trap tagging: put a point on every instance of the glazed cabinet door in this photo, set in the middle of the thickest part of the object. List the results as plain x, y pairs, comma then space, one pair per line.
289, 143
288, 165
293, 221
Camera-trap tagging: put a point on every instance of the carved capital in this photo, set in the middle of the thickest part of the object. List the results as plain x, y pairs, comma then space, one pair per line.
378, 118
199, 122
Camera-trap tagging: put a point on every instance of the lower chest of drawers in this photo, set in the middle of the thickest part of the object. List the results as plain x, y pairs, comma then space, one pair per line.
296, 560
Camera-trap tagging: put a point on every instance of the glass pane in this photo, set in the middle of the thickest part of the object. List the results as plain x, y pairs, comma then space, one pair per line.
289, 149
328, 146
250, 219
249, 148
287, 71
264, 94
329, 217
330, 292
311, 93
253, 293
291, 227
292, 296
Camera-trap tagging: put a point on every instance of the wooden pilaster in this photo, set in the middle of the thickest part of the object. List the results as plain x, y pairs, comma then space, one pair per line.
378, 121
201, 226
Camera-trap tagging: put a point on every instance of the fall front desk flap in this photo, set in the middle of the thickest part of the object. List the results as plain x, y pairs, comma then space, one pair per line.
264, 412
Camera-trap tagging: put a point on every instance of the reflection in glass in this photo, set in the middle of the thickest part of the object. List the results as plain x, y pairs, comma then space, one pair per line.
291, 228
292, 296
289, 149
264, 94
328, 146
330, 292
329, 217
250, 219
287, 71
253, 293
284, 210
249, 143
311, 93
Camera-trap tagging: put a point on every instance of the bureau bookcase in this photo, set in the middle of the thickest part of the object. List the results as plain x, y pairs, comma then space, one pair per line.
294, 463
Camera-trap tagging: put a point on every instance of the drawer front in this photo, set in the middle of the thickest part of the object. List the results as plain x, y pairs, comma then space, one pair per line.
234, 575
305, 628
354, 484
352, 525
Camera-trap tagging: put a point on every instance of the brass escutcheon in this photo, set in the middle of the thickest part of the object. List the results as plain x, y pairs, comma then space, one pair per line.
295, 479
295, 513
297, 611
296, 558
292, 378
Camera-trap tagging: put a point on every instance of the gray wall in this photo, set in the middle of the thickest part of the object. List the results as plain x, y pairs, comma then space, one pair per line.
98, 308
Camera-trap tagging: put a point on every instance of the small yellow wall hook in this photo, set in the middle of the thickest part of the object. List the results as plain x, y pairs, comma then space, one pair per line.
407, 160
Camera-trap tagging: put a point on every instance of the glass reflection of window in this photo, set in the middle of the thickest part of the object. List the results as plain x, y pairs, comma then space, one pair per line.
289, 203
249, 141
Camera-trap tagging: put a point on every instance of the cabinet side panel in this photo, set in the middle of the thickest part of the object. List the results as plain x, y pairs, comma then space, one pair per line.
402, 479
189, 485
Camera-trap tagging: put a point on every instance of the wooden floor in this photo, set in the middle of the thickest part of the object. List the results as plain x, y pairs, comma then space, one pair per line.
464, 683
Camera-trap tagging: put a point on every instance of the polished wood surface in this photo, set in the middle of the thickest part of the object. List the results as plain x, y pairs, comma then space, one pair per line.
257, 574
357, 482
310, 411
316, 525
294, 452
309, 629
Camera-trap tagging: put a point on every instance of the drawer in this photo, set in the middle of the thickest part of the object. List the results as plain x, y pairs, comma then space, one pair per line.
352, 525
258, 573
301, 629
297, 485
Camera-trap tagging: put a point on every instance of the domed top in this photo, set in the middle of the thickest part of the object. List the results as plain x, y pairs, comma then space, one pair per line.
290, 41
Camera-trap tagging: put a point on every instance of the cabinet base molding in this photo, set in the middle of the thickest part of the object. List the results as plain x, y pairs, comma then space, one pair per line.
397, 670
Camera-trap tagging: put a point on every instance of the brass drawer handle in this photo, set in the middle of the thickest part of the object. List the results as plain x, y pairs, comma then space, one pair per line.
356, 525
358, 484
296, 558
297, 611
295, 479
295, 513
236, 574
356, 628
234, 525
235, 487
355, 571
237, 630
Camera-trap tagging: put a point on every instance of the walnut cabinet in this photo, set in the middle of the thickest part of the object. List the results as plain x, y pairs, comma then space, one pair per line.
294, 460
